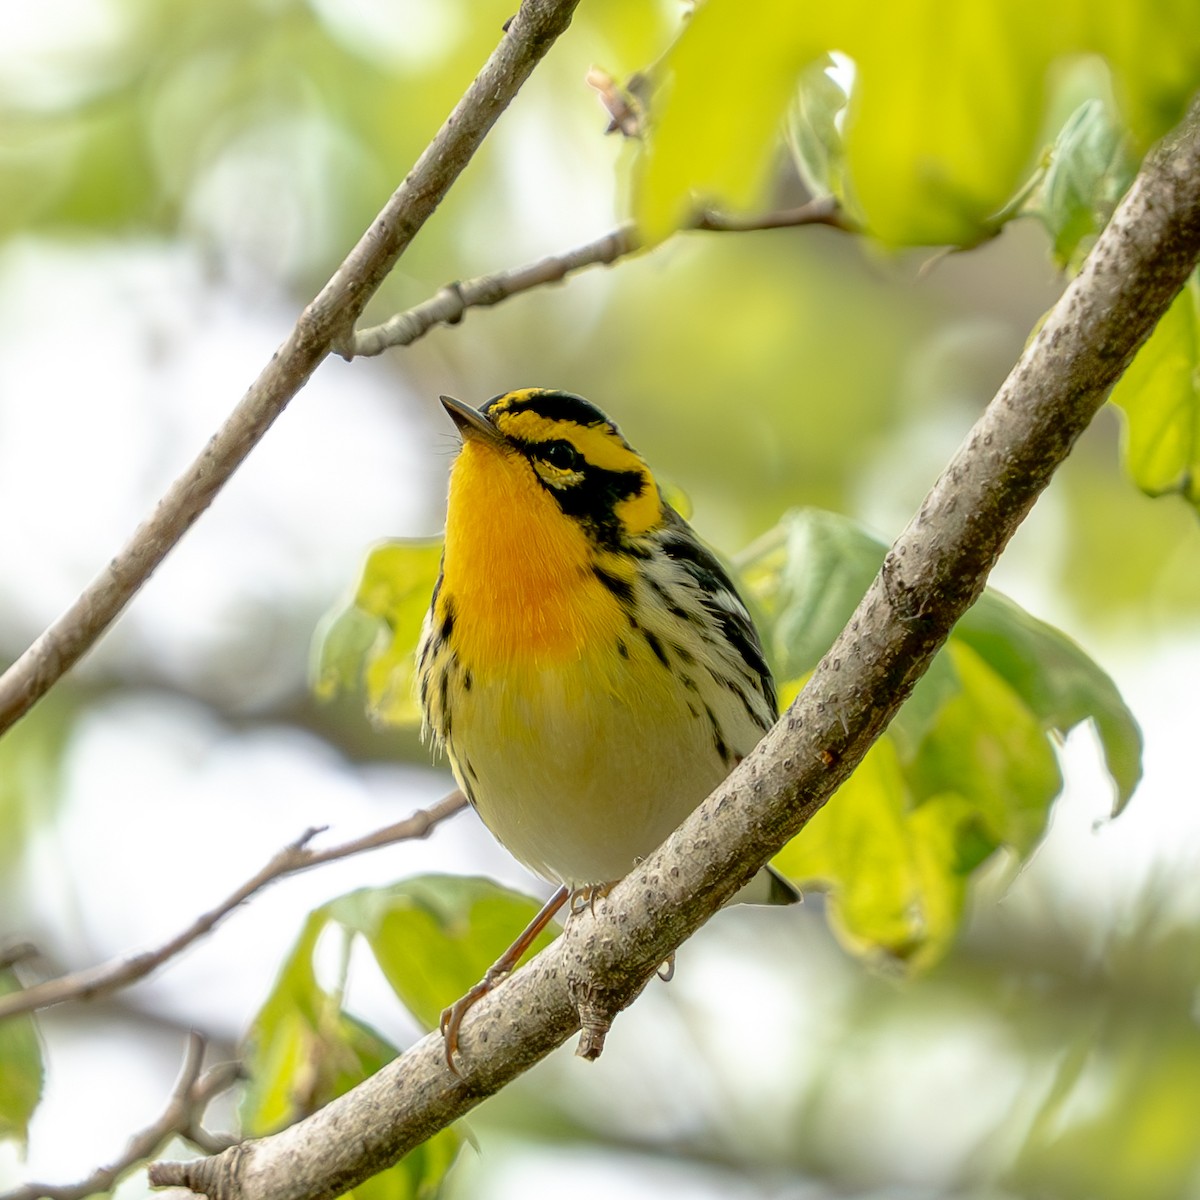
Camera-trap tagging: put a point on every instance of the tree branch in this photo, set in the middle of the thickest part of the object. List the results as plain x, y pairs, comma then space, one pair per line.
117, 973
934, 572
327, 321
182, 1117
453, 301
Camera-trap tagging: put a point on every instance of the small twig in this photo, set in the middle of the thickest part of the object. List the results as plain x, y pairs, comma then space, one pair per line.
451, 303
12, 953
108, 977
182, 1117
324, 324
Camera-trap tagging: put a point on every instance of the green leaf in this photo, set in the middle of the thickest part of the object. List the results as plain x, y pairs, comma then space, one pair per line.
1089, 171
890, 867
968, 765
1160, 397
814, 131
944, 119
1059, 683
303, 1050
22, 1073
988, 747
809, 574
434, 936
30, 771
717, 122
370, 644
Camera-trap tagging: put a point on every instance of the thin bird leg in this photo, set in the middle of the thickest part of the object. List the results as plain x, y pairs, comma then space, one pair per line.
452, 1017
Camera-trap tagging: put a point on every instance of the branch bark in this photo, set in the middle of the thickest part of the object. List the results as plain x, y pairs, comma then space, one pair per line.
934, 572
117, 973
328, 321
454, 300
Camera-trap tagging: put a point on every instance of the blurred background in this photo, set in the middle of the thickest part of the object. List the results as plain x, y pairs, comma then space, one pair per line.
176, 181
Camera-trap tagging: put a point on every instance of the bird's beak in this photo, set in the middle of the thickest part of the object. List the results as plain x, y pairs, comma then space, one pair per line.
471, 422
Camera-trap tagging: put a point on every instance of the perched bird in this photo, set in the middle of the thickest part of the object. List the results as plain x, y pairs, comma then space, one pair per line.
586, 663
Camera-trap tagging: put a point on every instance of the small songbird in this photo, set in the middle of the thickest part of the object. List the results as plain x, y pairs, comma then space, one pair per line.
586, 663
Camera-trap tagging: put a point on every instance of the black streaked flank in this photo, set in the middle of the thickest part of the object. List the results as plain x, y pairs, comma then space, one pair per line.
656, 646
718, 741
711, 581
622, 649
448, 619
682, 653
621, 588
735, 686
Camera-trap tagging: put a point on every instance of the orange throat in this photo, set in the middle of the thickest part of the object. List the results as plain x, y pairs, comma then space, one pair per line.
517, 573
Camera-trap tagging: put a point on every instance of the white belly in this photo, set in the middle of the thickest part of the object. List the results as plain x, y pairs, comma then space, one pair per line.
580, 788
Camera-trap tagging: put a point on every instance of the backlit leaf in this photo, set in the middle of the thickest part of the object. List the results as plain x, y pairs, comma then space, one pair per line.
21, 1071
370, 644
968, 766
1160, 397
434, 936
303, 1050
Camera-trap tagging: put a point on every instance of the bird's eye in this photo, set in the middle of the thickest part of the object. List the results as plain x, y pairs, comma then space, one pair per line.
560, 455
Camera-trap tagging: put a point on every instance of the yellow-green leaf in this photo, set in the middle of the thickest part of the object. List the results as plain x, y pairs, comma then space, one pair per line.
21, 1071
370, 644
303, 1050
890, 868
1160, 397
434, 936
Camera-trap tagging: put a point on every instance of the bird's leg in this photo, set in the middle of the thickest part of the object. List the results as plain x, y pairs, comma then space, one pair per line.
452, 1017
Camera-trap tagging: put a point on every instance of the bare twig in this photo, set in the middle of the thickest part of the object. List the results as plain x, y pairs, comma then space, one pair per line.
452, 302
12, 953
111, 976
935, 571
326, 322
182, 1117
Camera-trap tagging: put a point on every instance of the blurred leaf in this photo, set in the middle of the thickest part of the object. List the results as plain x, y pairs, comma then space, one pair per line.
435, 936
371, 643
889, 866
898, 842
1088, 172
1159, 395
969, 765
22, 1073
732, 76
809, 573
989, 748
30, 771
944, 117
303, 1050
814, 133
1135, 1137
1059, 683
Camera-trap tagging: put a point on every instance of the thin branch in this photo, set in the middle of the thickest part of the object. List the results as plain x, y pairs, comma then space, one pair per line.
117, 973
327, 321
182, 1117
453, 301
934, 572
12, 953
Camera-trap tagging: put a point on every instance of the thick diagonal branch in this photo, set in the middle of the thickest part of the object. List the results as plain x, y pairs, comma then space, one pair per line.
327, 321
935, 571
